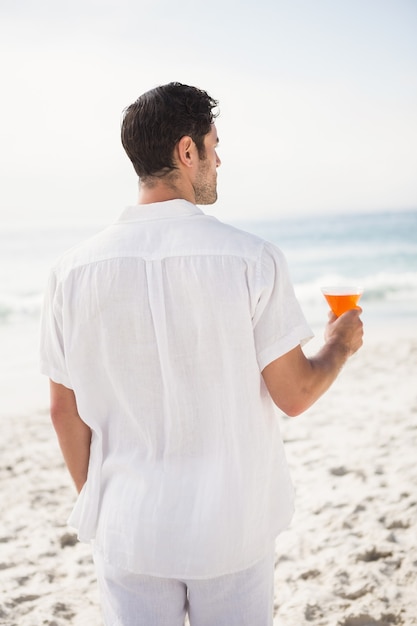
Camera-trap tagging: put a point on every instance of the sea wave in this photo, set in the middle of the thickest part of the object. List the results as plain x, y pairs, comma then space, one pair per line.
379, 286
382, 287
20, 307
385, 295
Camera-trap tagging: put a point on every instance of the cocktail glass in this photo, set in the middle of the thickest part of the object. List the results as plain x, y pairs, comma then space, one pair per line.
342, 298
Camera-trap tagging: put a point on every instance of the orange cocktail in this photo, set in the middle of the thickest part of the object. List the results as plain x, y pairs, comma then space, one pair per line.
342, 299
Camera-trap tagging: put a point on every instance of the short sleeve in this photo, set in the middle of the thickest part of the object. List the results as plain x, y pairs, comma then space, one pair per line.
279, 323
52, 352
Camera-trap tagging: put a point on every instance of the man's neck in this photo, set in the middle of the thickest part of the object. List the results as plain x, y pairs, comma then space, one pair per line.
161, 191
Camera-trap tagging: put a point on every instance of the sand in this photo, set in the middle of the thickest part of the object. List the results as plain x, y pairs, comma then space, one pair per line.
350, 555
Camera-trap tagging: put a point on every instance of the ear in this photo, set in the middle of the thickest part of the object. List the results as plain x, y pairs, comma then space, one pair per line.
186, 150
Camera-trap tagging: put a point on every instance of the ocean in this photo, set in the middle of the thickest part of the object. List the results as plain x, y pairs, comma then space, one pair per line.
378, 251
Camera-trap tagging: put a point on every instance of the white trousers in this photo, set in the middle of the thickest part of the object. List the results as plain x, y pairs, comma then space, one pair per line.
245, 598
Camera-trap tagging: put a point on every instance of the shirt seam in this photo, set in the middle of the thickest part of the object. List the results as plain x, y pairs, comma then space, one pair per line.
258, 273
58, 268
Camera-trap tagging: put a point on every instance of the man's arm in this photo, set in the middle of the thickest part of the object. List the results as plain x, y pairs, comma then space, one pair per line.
295, 382
74, 436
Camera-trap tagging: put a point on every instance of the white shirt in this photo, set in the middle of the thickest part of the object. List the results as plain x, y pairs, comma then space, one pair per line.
162, 324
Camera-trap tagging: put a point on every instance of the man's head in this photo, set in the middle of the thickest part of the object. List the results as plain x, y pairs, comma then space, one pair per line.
154, 124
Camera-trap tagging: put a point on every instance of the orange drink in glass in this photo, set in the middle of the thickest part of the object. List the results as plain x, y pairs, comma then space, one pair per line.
341, 299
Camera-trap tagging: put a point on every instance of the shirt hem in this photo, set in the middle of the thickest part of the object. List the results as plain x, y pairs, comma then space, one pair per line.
55, 375
297, 337
178, 576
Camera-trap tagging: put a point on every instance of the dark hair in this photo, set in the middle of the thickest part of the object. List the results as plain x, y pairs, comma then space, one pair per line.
153, 125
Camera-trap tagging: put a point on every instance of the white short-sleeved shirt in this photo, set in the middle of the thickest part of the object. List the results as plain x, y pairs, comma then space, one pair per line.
162, 324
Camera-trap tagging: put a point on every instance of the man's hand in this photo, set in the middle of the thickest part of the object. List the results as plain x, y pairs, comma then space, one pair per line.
345, 331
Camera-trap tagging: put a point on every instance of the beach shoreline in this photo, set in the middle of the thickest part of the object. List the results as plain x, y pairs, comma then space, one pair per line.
349, 557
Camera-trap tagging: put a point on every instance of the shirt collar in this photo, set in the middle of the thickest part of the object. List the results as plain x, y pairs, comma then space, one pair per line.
159, 210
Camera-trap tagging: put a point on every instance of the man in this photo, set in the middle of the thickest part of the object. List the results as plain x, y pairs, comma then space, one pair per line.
168, 338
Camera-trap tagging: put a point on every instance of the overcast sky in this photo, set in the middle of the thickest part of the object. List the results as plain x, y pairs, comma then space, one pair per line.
318, 101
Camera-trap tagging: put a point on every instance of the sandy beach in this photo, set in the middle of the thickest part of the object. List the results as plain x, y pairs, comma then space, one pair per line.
350, 555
